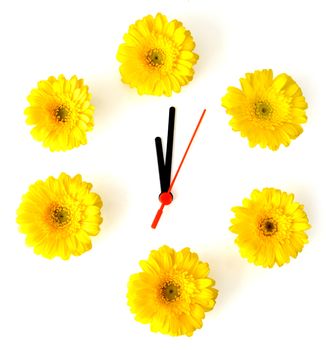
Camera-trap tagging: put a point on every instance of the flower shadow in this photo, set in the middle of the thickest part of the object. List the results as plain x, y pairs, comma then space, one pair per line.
229, 271
110, 97
115, 202
205, 32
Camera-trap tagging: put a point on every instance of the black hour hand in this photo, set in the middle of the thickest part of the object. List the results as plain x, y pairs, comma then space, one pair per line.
160, 162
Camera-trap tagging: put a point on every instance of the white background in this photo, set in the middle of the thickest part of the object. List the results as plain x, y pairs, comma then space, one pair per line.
81, 303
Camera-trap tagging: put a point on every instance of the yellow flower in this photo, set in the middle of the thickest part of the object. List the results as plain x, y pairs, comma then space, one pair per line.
267, 111
61, 113
270, 227
58, 216
156, 56
173, 292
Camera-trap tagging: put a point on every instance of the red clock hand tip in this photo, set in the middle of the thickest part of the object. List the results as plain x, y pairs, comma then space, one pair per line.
166, 199
157, 217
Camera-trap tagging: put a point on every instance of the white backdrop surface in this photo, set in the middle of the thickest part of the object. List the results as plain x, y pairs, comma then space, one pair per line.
81, 303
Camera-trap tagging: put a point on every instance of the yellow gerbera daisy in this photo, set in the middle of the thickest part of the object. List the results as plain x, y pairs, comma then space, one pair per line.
268, 111
270, 227
58, 216
173, 292
61, 113
156, 56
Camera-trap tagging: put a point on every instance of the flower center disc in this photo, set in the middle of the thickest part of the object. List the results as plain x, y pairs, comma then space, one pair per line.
170, 291
155, 57
62, 113
61, 216
268, 227
263, 110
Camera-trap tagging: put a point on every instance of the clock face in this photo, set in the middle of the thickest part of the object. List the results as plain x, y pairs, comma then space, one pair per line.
52, 301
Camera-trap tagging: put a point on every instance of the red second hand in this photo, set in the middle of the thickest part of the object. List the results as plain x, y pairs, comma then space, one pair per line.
166, 197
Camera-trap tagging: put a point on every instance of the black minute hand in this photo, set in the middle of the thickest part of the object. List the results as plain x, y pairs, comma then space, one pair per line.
164, 168
169, 149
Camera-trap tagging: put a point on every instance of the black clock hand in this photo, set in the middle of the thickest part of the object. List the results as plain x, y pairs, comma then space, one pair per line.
169, 149
164, 168
160, 161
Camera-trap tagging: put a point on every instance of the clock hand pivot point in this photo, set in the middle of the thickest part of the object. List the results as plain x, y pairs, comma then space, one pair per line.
166, 198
